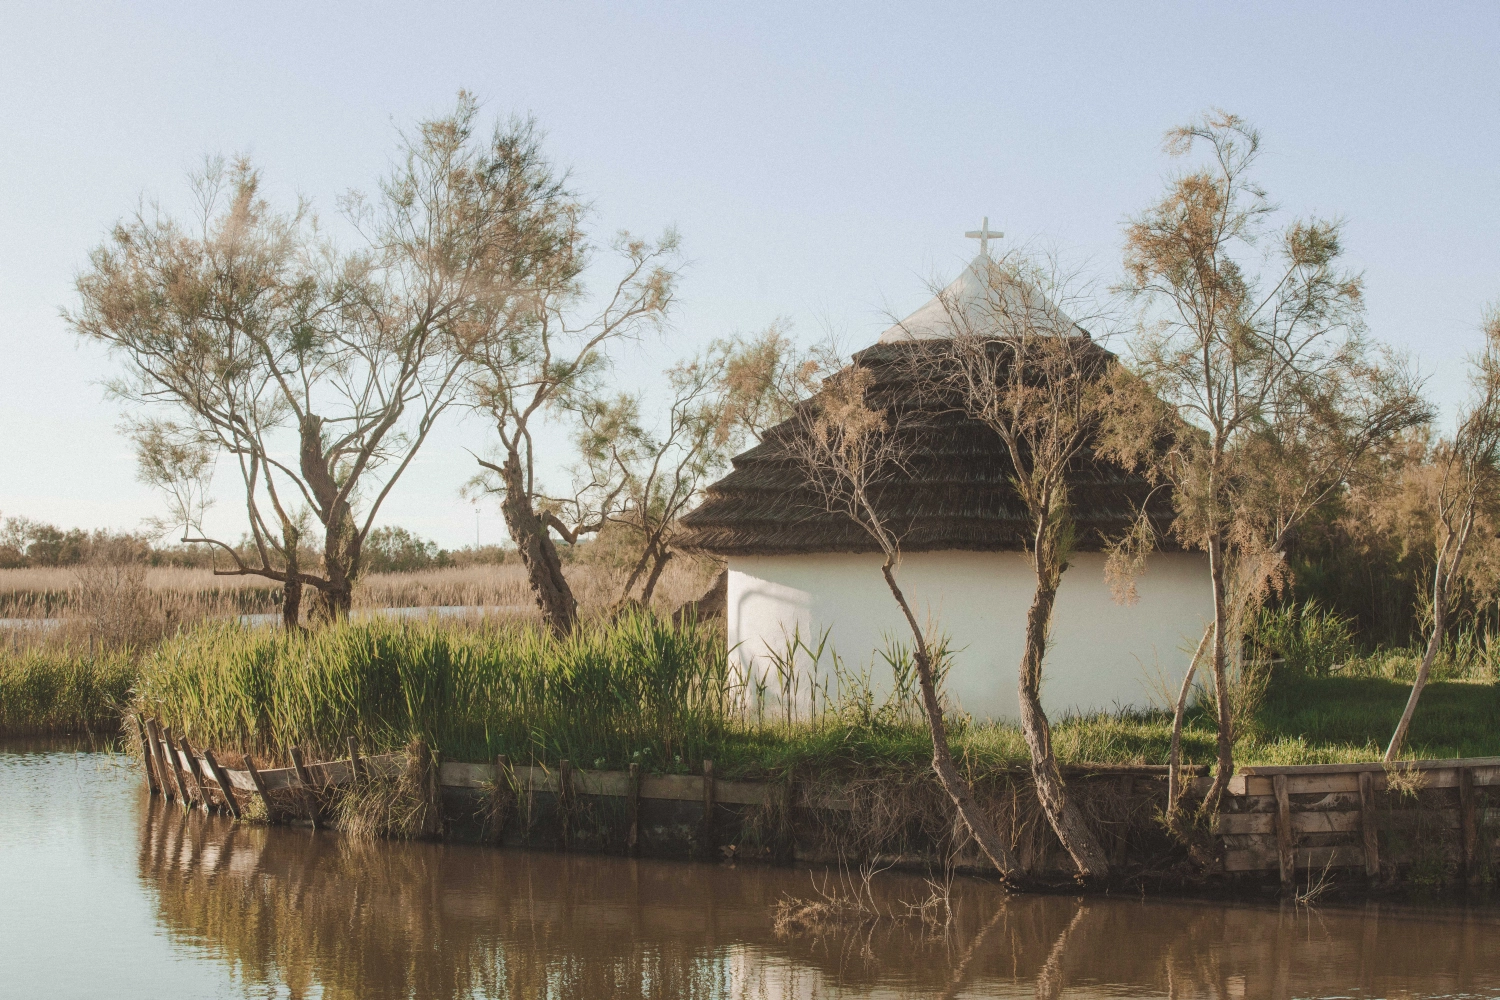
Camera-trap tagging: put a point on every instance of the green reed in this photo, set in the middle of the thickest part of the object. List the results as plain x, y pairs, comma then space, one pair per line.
641, 690
51, 690
636, 689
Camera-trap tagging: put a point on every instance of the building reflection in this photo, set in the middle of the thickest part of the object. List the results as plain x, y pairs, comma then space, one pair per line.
313, 914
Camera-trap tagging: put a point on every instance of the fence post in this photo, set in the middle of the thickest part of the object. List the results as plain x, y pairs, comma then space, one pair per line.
1467, 824
708, 805
1369, 823
355, 766
565, 800
309, 797
172, 761
1284, 849
193, 769
146, 756
153, 736
633, 841
260, 788
222, 779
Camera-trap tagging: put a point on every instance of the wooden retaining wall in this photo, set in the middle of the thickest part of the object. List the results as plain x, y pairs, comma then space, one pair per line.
1365, 816
1374, 817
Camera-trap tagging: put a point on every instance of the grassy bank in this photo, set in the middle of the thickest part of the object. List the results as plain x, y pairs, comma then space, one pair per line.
643, 691
52, 691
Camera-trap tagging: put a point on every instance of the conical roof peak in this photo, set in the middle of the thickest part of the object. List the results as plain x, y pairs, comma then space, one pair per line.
985, 300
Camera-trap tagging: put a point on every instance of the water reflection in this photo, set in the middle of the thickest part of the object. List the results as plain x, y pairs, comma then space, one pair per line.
311, 912
104, 894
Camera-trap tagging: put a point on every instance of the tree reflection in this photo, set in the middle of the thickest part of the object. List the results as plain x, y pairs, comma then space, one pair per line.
311, 914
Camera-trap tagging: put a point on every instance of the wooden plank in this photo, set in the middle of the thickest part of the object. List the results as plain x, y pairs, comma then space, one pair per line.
633, 803
742, 793
601, 782
1268, 858
222, 780
683, 788
195, 771
354, 762
309, 796
1448, 764
146, 761
1469, 837
676, 787
457, 775
1342, 821
1284, 841
335, 772
1369, 821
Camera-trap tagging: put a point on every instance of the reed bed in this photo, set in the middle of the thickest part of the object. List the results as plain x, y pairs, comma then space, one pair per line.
641, 690
189, 595
45, 691
637, 688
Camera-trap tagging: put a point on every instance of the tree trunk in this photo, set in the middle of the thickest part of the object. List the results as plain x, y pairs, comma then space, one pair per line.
1174, 755
291, 603
291, 587
662, 558
1061, 811
1434, 644
538, 553
1225, 768
953, 783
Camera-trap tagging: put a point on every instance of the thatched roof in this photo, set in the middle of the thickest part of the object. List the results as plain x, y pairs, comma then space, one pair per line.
955, 492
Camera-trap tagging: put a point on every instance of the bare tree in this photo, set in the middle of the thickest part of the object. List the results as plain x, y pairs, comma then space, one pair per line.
849, 451
1223, 354
545, 362
319, 373
644, 479
1467, 486
1021, 367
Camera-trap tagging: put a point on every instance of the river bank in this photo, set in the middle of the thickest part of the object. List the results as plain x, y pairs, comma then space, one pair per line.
642, 695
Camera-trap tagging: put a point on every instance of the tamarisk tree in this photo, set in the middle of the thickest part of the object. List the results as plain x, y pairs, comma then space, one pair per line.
317, 372
1467, 487
1022, 368
1254, 392
544, 361
646, 476
849, 451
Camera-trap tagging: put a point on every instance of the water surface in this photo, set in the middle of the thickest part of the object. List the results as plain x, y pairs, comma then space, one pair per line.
104, 892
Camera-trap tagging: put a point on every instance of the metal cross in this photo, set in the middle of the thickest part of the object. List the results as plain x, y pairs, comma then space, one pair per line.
983, 234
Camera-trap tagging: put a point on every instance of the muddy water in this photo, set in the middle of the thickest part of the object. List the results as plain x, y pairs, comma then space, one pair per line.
104, 893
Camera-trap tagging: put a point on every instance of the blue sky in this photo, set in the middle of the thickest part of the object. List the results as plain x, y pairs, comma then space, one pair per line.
820, 161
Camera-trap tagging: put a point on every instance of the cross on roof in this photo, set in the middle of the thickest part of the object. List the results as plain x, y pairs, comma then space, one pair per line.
984, 234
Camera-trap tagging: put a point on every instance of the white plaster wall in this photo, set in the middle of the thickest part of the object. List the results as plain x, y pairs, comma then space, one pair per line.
1104, 655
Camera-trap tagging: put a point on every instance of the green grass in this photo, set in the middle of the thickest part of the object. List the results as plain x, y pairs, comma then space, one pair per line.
52, 691
643, 691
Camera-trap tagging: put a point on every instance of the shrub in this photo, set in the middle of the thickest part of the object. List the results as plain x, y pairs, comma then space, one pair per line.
1309, 639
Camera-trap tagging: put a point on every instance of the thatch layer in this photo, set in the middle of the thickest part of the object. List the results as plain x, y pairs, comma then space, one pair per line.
955, 491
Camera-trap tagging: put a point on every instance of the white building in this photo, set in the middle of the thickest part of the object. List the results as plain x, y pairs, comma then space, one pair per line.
795, 568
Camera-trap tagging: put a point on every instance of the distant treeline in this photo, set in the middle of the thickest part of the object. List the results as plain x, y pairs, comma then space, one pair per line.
28, 544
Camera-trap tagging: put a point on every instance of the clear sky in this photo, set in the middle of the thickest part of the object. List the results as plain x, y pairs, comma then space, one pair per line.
821, 161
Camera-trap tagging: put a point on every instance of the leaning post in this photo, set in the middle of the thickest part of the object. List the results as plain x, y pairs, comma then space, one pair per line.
309, 796
146, 757
222, 779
